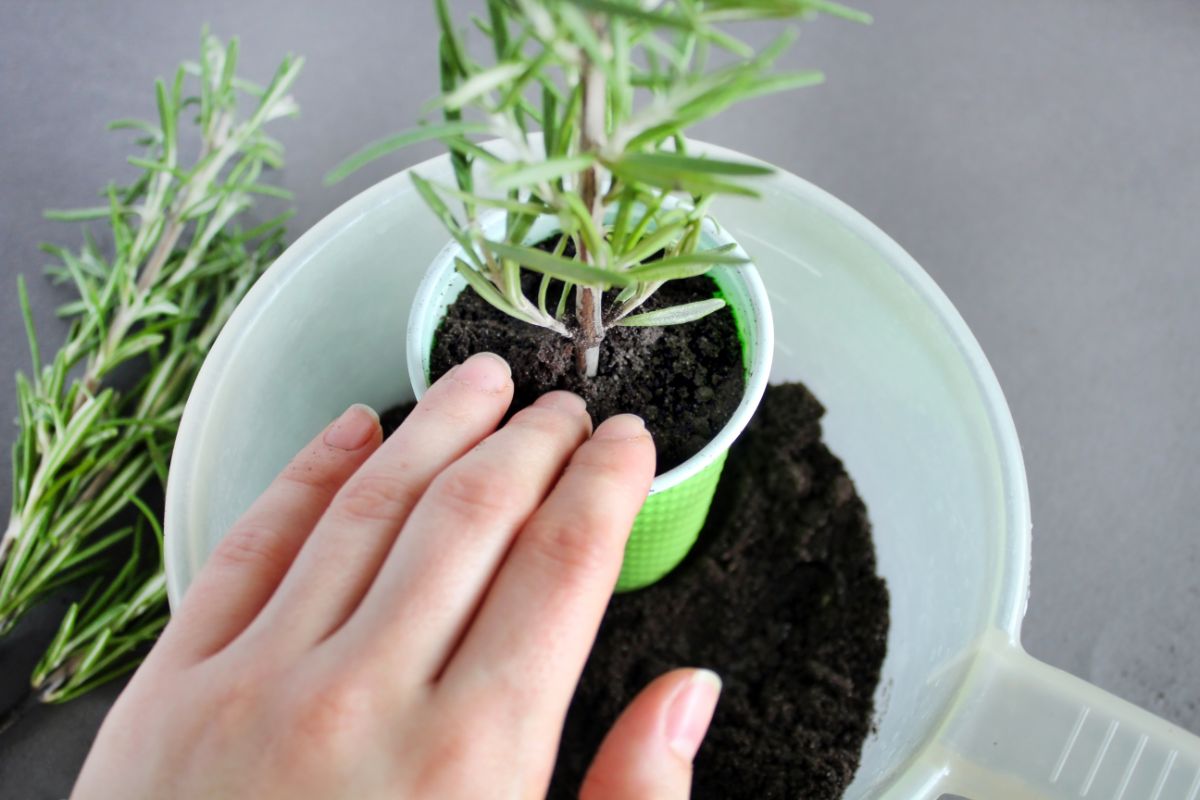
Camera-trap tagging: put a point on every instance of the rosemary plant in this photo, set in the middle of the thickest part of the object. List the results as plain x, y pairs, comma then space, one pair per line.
613, 85
91, 452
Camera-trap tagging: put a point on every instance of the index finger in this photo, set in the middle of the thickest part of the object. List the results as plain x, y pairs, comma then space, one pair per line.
537, 624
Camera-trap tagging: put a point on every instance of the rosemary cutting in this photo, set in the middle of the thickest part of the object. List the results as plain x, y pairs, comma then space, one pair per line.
613, 85
90, 458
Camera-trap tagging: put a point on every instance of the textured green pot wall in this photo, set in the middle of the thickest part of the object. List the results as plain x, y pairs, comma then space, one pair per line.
667, 527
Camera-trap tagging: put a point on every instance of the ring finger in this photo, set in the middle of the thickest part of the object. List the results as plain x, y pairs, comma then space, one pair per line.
343, 555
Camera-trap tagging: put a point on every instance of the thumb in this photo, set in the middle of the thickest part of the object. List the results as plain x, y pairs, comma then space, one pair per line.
648, 753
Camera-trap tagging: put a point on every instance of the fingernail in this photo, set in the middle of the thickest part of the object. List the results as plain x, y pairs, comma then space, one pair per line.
563, 401
621, 427
353, 429
485, 371
691, 711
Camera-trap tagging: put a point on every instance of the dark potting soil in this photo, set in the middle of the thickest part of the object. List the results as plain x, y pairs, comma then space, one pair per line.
685, 381
780, 597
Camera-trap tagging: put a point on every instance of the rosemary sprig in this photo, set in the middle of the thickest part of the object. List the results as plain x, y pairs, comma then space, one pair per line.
613, 85
91, 451
103, 635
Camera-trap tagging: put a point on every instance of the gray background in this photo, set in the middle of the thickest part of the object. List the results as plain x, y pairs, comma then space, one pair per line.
1040, 158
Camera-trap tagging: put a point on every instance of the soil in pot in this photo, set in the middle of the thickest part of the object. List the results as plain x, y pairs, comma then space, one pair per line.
780, 597
685, 381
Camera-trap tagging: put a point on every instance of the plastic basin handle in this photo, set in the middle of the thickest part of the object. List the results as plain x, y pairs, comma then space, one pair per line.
1025, 729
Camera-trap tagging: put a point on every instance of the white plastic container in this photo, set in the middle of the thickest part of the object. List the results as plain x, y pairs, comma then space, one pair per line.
914, 411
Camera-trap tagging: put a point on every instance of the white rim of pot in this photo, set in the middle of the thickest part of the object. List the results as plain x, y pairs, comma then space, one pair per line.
741, 285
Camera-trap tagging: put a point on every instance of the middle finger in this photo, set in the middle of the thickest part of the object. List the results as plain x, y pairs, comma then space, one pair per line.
457, 536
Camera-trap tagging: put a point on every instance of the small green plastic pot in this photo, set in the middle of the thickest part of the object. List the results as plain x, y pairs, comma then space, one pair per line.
679, 500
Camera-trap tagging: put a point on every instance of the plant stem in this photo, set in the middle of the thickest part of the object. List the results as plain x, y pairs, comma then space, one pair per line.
47, 686
10, 536
589, 311
173, 230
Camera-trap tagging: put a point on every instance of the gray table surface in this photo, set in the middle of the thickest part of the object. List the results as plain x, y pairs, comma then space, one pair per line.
1040, 158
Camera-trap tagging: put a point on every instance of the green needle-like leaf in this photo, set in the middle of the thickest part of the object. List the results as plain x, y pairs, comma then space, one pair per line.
435, 203
485, 289
682, 181
674, 315
391, 144
564, 269
735, 10
683, 165
480, 84
677, 267
668, 232
453, 44
77, 214
635, 11
35, 353
515, 206
512, 176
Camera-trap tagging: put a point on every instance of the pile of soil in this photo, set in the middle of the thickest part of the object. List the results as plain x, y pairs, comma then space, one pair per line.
685, 381
780, 597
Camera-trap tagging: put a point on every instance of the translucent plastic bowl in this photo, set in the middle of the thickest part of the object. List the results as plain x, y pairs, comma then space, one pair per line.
914, 411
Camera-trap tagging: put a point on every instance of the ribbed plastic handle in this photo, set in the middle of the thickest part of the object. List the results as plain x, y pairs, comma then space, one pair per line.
1026, 729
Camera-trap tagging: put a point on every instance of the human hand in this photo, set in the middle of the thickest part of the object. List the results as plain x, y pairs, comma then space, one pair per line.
409, 619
